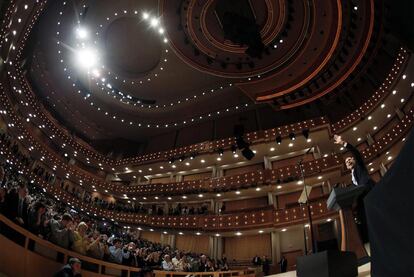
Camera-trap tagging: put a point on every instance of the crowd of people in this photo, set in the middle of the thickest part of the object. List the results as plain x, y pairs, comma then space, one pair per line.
29, 206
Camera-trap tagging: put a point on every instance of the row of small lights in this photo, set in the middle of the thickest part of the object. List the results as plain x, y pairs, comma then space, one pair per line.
82, 33
237, 192
400, 61
165, 232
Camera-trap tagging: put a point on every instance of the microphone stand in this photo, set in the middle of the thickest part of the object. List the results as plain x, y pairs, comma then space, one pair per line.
302, 171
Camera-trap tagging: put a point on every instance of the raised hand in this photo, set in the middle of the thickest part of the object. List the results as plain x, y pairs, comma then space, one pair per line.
338, 140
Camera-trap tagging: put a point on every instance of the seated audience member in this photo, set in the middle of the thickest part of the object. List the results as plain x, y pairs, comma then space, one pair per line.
117, 252
73, 268
17, 204
80, 239
61, 231
202, 264
98, 246
36, 217
183, 264
176, 259
167, 263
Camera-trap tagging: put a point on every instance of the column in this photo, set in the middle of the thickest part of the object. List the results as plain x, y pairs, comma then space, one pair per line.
275, 240
383, 169
399, 113
216, 247
214, 171
267, 162
316, 152
178, 178
271, 200
370, 140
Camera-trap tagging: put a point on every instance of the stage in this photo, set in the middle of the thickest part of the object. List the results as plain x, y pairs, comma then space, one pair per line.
363, 271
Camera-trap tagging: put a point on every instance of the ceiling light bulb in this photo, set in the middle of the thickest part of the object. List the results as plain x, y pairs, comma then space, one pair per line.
87, 57
154, 22
145, 15
81, 33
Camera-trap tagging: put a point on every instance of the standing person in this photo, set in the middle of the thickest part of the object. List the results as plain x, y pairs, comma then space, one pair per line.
283, 264
73, 268
360, 177
257, 260
61, 231
266, 265
17, 204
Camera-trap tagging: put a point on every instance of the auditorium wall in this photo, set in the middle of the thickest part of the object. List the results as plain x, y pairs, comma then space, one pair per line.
199, 244
243, 169
246, 204
246, 247
151, 236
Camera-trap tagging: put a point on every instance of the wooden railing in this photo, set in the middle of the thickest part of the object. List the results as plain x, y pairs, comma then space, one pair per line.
10, 229
22, 251
227, 222
205, 185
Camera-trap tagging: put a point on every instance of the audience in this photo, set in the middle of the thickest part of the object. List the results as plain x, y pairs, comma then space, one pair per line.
29, 206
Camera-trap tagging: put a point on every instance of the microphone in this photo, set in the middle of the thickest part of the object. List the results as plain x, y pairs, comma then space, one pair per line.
307, 152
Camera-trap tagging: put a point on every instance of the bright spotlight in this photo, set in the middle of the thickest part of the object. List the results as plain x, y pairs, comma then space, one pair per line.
81, 33
145, 15
154, 22
86, 58
161, 31
96, 72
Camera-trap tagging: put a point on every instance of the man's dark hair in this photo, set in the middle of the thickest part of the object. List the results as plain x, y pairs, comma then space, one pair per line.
67, 217
116, 240
73, 261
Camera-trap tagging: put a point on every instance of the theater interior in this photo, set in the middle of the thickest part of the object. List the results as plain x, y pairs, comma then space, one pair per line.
174, 138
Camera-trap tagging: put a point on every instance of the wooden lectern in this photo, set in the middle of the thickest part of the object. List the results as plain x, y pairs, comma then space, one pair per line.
342, 199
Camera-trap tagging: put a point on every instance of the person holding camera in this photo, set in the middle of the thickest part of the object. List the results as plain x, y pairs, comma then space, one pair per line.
118, 252
98, 246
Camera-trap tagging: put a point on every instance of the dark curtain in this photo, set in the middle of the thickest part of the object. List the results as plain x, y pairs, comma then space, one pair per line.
390, 216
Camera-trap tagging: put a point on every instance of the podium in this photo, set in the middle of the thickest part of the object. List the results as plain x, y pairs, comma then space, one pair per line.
342, 199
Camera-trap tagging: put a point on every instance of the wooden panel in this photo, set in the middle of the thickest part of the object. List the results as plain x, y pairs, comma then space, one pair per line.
164, 180
246, 204
198, 244
290, 161
12, 259
243, 169
197, 176
18, 262
246, 247
151, 236
290, 198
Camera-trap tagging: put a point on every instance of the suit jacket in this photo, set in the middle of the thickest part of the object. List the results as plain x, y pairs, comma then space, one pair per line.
361, 174
12, 206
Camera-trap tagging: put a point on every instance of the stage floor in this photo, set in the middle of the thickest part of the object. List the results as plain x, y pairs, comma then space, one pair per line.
363, 271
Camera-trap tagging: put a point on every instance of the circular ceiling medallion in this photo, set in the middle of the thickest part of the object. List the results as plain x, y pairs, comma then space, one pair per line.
132, 49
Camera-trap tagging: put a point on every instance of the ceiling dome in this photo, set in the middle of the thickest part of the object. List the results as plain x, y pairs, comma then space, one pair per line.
131, 48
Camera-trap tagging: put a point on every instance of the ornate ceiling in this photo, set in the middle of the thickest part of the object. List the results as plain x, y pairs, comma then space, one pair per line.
163, 74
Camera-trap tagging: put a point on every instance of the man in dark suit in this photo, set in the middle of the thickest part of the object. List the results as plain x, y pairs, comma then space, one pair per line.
283, 264
17, 204
360, 177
